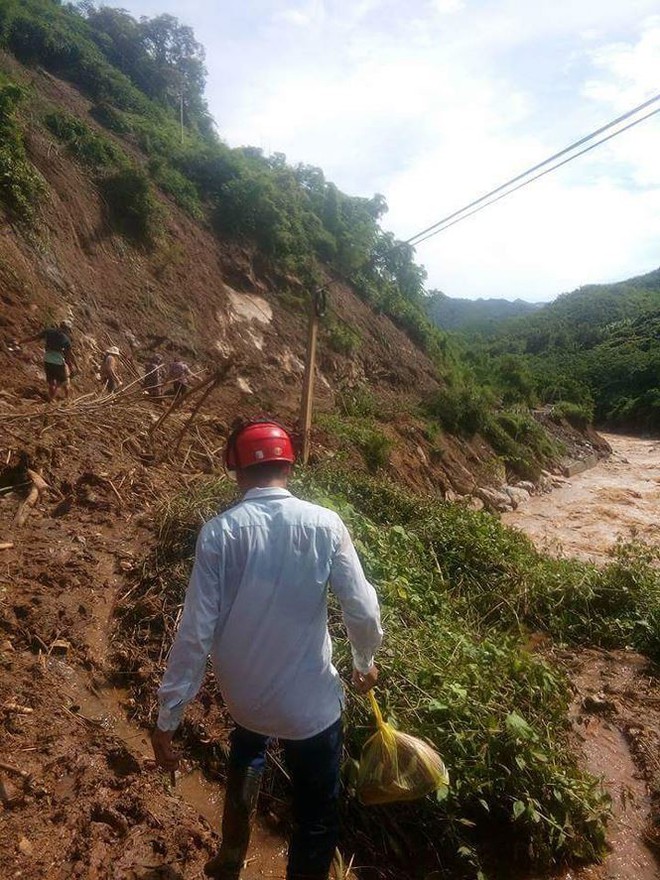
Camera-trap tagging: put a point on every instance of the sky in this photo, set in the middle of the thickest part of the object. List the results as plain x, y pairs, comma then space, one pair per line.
434, 102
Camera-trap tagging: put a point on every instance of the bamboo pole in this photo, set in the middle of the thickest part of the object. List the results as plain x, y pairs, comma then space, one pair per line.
315, 310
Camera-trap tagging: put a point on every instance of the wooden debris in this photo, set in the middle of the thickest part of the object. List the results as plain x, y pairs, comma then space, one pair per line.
17, 708
39, 485
6, 545
9, 768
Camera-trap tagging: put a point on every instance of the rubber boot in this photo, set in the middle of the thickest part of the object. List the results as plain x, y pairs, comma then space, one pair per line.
240, 806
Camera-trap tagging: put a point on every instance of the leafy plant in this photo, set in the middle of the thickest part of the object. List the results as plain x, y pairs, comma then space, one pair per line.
132, 206
86, 145
455, 588
21, 186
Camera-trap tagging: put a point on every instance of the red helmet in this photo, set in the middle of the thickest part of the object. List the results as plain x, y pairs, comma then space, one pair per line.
256, 443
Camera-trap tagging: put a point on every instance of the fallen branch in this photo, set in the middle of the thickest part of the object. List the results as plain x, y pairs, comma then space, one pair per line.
219, 376
17, 708
9, 768
24, 510
6, 545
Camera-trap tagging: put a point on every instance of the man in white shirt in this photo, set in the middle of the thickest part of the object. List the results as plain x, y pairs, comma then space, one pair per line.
257, 603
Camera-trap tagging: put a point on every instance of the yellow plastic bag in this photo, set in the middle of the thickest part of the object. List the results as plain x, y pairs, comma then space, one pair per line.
395, 766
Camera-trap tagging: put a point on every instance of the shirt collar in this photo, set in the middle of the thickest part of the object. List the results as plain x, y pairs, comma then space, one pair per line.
267, 492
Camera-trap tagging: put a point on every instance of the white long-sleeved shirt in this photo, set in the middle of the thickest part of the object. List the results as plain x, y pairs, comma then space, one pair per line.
257, 603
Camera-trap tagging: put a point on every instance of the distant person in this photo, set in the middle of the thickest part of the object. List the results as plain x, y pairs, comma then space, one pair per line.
110, 370
180, 377
59, 362
154, 376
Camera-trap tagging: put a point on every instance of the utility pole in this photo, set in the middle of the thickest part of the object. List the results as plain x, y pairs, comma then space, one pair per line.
181, 112
317, 305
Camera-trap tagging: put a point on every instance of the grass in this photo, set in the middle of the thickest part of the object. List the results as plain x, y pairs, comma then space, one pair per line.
374, 445
460, 594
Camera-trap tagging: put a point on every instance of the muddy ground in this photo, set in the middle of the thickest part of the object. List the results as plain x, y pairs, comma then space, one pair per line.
81, 796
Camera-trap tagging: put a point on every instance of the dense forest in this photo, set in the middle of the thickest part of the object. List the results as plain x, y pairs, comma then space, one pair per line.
593, 352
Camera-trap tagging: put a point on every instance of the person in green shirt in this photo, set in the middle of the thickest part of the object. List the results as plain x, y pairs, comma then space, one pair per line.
59, 361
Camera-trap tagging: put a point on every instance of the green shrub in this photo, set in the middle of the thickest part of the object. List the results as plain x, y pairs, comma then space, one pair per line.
87, 146
376, 449
177, 186
343, 338
111, 118
360, 402
132, 207
580, 416
450, 673
21, 185
372, 443
461, 410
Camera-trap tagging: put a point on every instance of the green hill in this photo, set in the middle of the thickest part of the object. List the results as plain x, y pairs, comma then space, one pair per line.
596, 347
474, 316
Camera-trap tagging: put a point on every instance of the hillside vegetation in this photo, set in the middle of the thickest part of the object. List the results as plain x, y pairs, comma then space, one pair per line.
594, 352
474, 315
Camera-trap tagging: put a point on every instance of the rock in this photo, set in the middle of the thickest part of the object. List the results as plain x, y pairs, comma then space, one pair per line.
450, 495
493, 499
517, 495
597, 704
528, 486
577, 466
25, 846
9, 794
472, 503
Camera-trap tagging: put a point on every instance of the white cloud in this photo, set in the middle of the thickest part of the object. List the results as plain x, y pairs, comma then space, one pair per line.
433, 102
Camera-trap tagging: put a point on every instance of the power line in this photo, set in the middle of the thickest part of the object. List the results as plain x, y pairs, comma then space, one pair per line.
526, 182
423, 235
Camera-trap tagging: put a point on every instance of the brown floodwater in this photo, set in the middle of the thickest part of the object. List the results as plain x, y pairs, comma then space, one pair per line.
618, 499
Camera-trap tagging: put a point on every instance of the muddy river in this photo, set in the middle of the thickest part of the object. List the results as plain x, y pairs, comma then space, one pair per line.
617, 499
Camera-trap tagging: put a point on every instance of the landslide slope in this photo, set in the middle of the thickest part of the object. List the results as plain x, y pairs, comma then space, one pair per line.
209, 299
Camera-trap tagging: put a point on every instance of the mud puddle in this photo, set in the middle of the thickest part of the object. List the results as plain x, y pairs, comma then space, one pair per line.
104, 707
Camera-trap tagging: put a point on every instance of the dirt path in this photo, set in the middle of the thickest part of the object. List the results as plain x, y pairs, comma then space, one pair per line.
615, 712
618, 498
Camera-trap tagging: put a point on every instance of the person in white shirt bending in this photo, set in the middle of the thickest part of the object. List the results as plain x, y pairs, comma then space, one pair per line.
257, 603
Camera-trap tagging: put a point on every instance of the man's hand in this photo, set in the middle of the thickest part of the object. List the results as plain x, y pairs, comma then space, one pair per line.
364, 681
165, 756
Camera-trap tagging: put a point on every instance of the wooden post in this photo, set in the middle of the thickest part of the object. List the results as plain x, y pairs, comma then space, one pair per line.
308, 382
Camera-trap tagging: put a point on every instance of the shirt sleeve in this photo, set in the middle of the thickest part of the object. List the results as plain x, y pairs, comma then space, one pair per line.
187, 661
359, 603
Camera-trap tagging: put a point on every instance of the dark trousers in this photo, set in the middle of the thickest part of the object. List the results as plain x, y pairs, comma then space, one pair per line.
313, 765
